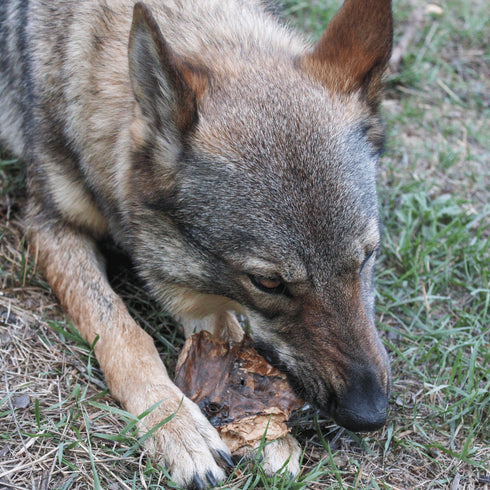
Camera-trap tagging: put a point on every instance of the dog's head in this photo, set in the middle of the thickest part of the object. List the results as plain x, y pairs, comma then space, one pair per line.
258, 185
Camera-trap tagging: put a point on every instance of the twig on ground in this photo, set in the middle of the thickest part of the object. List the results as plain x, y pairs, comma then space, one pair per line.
403, 44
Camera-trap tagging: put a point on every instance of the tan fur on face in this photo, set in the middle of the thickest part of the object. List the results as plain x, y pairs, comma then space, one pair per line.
195, 305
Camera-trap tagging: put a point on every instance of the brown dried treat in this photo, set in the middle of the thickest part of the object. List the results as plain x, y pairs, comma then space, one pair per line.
240, 393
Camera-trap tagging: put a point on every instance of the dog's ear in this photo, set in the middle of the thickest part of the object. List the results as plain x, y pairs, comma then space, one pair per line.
166, 88
353, 51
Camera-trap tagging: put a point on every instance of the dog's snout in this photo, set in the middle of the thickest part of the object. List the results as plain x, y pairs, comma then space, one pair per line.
363, 404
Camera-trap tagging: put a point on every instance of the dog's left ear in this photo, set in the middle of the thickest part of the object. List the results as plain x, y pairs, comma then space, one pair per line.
353, 51
165, 87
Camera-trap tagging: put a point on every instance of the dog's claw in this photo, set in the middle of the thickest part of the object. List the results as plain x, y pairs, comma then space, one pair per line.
211, 479
226, 458
197, 483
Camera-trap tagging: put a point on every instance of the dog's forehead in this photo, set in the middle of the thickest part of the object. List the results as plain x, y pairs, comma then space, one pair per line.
289, 168
295, 145
257, 122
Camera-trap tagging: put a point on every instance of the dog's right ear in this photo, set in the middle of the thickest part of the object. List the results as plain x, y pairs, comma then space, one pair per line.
354, 49
166, 88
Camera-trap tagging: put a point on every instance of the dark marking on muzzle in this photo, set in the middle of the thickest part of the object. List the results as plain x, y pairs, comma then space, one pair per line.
270, 355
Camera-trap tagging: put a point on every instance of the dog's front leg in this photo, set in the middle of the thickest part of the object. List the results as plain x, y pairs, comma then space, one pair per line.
187, 444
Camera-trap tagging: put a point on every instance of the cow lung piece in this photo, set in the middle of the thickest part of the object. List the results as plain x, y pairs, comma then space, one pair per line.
237, 389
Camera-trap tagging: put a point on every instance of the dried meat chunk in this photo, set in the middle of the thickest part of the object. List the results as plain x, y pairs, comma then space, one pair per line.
240, 393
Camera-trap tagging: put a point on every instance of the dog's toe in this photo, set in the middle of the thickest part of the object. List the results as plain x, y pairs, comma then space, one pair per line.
281, 456
189, 447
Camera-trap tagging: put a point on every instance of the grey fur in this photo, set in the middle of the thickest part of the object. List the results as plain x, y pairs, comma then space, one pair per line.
219, 149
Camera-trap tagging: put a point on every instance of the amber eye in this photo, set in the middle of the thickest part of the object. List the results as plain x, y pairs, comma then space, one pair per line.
269, 285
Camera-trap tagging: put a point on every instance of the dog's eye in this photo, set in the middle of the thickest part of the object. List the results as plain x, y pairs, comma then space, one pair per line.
366, 259
269, 285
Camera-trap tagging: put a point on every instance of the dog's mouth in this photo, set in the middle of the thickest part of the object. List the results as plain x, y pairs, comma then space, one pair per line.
314, 394
361, 407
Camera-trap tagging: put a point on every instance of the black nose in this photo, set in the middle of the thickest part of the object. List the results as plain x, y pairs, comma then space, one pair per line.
362, 406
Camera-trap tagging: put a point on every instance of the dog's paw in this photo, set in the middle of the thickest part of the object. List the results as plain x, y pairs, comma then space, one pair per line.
281, 456
187, 445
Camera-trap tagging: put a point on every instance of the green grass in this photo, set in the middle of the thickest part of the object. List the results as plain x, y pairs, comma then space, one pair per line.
433, 299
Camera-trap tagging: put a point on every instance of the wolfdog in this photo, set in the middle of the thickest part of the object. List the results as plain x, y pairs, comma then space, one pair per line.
235, 163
